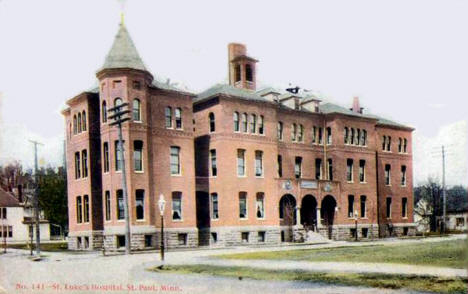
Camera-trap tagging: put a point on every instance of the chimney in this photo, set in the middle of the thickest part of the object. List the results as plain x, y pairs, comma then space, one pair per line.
20, 193
356, 106
241, 67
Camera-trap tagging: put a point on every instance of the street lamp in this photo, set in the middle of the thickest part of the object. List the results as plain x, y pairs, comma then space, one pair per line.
355, 224
162, 204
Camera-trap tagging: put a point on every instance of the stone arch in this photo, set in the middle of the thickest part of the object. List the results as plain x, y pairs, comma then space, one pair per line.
309, 212
327, 213
287, 209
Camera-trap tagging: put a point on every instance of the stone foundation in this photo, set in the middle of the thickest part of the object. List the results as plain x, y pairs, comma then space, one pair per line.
239, 236
397, 230
86, 240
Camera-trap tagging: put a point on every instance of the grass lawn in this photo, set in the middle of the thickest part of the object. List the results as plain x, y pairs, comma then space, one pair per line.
444, 254
52, 247
419, 283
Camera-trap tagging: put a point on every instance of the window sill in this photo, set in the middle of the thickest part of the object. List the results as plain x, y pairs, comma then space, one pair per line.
242, 176
138, 121
215, 219
176, 175
259, 177
261, 218
140, 220
177, 220
243, 219
362, 182
350, 182
139, 171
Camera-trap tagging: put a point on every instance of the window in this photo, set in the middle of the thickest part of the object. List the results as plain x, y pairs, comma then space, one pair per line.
293, 132
242, 205
280, 130
236, 121
120, 241
298, 167
140, 204
120, 205
318, 168
177, 205
261, 236
106, 157
387, 174
75, 129
404, 207
329, 136
350, 206
389, 143
83, 117
248, 73
253, 123
240, 162
351, 141
148, 241
175, 160
178, 118
211, 117
79, 210
460, 222
84, 159
405, 145
182, 238
10, 231
346, 134
403, 175
320, 136
136, 110
214, 169
3, 213
300, 136
261, 128
280, 166
349, 170
138, 155
168, 116
384, 142
245, 237
314, 135
104, 112
77, 165
214, 206
330, 169
118, 156
117, 101
358, 137
237, 73
108, 205
363, 206
364, 138
260, 205
244, 122
400, 145
258, 163
86, 208
389, 207
362, 171
136, 85
79, 123
214, 237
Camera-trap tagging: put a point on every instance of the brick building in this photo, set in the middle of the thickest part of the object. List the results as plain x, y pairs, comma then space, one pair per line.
236, 165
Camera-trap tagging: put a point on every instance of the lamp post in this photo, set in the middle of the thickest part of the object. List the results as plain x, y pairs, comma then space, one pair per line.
355, 224
162, 204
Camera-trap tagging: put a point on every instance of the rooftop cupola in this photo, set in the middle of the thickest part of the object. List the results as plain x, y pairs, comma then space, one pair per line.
242, 72
123, 53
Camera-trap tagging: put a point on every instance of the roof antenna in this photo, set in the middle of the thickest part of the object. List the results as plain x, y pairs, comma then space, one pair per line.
293, 90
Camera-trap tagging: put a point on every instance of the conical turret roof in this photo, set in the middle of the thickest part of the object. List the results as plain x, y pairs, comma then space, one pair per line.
123, 53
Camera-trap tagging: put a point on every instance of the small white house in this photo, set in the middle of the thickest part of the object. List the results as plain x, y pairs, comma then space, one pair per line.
16, 218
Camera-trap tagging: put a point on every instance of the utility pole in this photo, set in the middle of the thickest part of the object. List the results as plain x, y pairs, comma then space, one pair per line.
36, 200
443, 191
118, 114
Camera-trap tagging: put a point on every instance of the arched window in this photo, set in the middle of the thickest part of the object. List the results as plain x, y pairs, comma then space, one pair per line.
244, 122
83, 117
346, 135
358, 135
75, 127
253, 123
248, 73
261, 128
104, 112
178, 118
237, 72
117, 101
236, 121
352, 137
79, 122
364, 138
384, 142
300, 136
136, 110
211, 117
293, 132
405, 145
389, 143
138, 155
329, 136
84, 162
168, 116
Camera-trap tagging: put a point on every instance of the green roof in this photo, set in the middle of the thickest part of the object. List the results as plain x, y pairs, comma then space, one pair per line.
123, 53
228, 90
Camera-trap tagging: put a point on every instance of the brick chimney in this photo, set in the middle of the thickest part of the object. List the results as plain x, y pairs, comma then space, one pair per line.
242, 72
356, 106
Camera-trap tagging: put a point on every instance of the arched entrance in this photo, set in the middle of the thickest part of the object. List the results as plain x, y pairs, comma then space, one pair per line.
287, 210
327, 212
309, 212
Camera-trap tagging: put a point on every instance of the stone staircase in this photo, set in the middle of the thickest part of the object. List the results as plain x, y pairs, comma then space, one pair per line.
314, 237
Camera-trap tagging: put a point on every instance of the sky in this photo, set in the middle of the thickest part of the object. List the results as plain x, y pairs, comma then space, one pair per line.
406, 60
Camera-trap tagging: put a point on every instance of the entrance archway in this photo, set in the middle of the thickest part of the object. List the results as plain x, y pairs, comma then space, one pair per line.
327, 212
309, 212
287, 210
